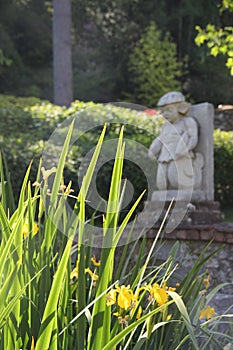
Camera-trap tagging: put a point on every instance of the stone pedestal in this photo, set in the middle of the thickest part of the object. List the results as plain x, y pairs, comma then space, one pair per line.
181, 214
180, 195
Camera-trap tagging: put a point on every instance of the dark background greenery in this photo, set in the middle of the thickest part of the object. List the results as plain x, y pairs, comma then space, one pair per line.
104, 35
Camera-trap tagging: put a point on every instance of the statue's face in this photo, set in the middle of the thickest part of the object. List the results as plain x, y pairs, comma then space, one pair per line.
170, 112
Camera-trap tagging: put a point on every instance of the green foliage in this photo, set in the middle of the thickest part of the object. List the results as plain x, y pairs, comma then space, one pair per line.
227, 5
29, 122
8, 101
218, 40
223, 166
104, 34
26, 40
4, 60
54, 295
154, 66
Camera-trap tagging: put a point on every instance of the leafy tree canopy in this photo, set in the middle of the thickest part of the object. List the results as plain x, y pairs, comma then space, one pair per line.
218, 40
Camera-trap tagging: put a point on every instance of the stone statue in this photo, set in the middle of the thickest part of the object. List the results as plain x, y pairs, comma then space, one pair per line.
179, 166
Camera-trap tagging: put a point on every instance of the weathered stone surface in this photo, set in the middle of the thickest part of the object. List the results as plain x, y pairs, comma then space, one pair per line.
178, 195
164, 148
179, 163
184, 150
204, 115
181, 214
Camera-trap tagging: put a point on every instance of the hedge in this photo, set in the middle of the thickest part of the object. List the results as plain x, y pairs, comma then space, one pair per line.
223, 166
27, 123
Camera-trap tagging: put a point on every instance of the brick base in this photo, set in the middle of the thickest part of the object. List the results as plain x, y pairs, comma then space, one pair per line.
220, 232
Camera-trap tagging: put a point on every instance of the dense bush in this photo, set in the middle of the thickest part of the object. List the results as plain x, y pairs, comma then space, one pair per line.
26, 123
154, 66
223, 166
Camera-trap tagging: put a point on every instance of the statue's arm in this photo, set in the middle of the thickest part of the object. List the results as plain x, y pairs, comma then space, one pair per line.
155, 148
188, 139
192, 130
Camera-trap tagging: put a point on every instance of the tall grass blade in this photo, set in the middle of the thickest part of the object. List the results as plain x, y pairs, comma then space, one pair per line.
15, 299
101, 321
47, 325
180, 304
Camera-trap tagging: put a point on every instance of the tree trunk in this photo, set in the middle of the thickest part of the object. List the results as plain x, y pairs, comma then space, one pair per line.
62, 53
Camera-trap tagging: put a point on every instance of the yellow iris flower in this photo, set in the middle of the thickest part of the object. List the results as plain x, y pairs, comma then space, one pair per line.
26, 228
126, 298
157, 293
207, 313
74, 273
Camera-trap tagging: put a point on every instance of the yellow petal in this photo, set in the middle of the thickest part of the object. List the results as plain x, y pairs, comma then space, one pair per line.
33, 344
207, 282
95, 262
139, 313
74, 273
111, 297
92, 274
207, 313
159, 294
35, 229
125, 296
124, 301
26, 228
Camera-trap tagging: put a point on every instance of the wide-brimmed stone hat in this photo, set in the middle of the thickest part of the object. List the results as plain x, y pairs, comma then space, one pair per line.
171, 97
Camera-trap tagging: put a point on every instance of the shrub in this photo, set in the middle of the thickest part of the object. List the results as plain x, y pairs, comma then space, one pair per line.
223, 166
154, 66
27, 126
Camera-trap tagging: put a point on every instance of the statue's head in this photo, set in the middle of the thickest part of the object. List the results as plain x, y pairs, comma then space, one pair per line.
173, 105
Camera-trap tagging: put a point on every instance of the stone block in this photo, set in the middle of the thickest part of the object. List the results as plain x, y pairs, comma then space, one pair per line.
193, 235
203, 113
219, 237
206, 235
229, 238
181, 234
